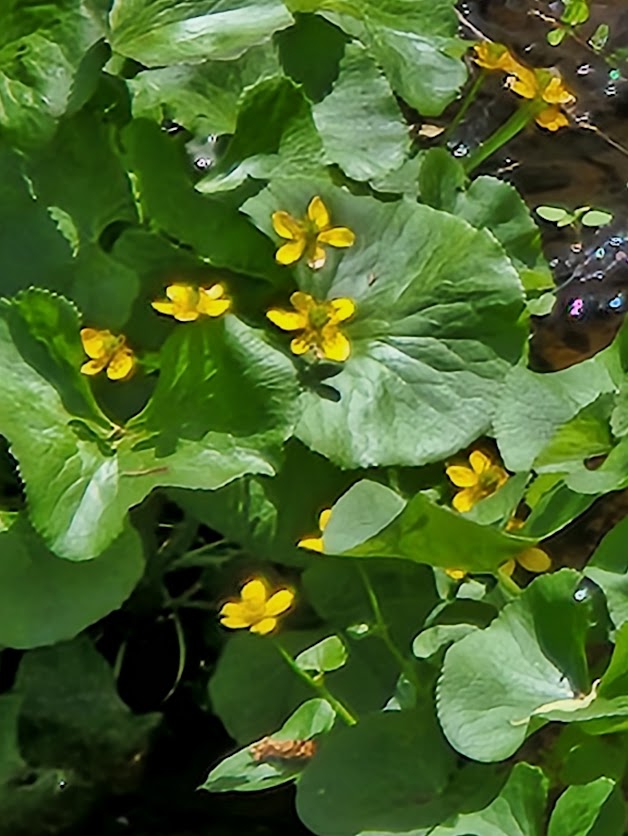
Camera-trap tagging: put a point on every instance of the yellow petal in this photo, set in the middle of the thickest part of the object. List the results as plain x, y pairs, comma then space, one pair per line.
552, 119
514, 524
334, 345
286, 226
122, 364
187, 315
316, 258
556, 93
317, 213
279, 602
314, 544
523, 83
339, 236
303, 302
508, 567
534, 560
299, 345
465, 500
479, 462
462, 477
232, 608
287, 320
494, 56
254, 593
212, 307
342, 309
323, 519
184, 295
164, 307
291, 252
235, 622
95, 342
265, 626
456, 574
93, 367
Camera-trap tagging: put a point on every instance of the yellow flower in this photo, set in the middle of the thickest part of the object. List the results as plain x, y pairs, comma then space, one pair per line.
186, 302
544, 86
480, 480
492, 56
456, 574
308, 235
315, 543
318, 323
107, 351
533, 559
256, 610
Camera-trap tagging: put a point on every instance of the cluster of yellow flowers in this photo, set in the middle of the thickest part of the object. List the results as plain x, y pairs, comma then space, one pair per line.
316, 323
544, 86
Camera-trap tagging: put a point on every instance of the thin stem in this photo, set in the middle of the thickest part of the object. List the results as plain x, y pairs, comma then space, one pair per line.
317, 685
468, 100
509, 585
405, 665
517, 122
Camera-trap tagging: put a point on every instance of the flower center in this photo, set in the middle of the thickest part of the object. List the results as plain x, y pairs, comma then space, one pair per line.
319, 317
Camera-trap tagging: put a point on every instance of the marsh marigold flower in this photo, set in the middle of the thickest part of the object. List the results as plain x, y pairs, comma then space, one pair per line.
315, 542
186, 302
107, 351
493, 56
481, 479
318, 324
309, 235
546, 87
256, 610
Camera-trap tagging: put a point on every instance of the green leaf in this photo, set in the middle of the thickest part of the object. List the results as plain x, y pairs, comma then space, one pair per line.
44, 50
555, 509
578, 809
241, 772
575, 12
44, 599
310, 53
222, 375
203, 98
360, 122
609, 569
154, 32
441, 178
433, 639
422, 532
385, 774
556, 36
275, 132
80, 479
220, 235
596, 217
586, 434
533, 406
553, 214
518, 810
252, 689
72, 715
532, 655
326, 655
437, 311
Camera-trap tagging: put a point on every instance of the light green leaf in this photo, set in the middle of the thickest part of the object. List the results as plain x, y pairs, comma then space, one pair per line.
242, 772
608, 568
422, 532
438, 305
533, 406
493, 680
326, 655
552, 213
518, 810
430, 641
156, 32
203, 98
578, 809
44, 599
587, 434
360, 122
596, 217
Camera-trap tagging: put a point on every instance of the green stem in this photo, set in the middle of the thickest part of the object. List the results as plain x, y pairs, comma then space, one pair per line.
509, 585
517, 122
466, 103
317, 685
405, 665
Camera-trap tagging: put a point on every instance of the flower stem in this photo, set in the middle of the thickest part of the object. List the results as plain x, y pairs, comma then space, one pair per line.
319, 686
516, 123
405, 665
508, 584
466, 103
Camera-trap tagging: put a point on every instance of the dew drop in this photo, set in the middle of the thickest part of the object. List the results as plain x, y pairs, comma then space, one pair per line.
580, 594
